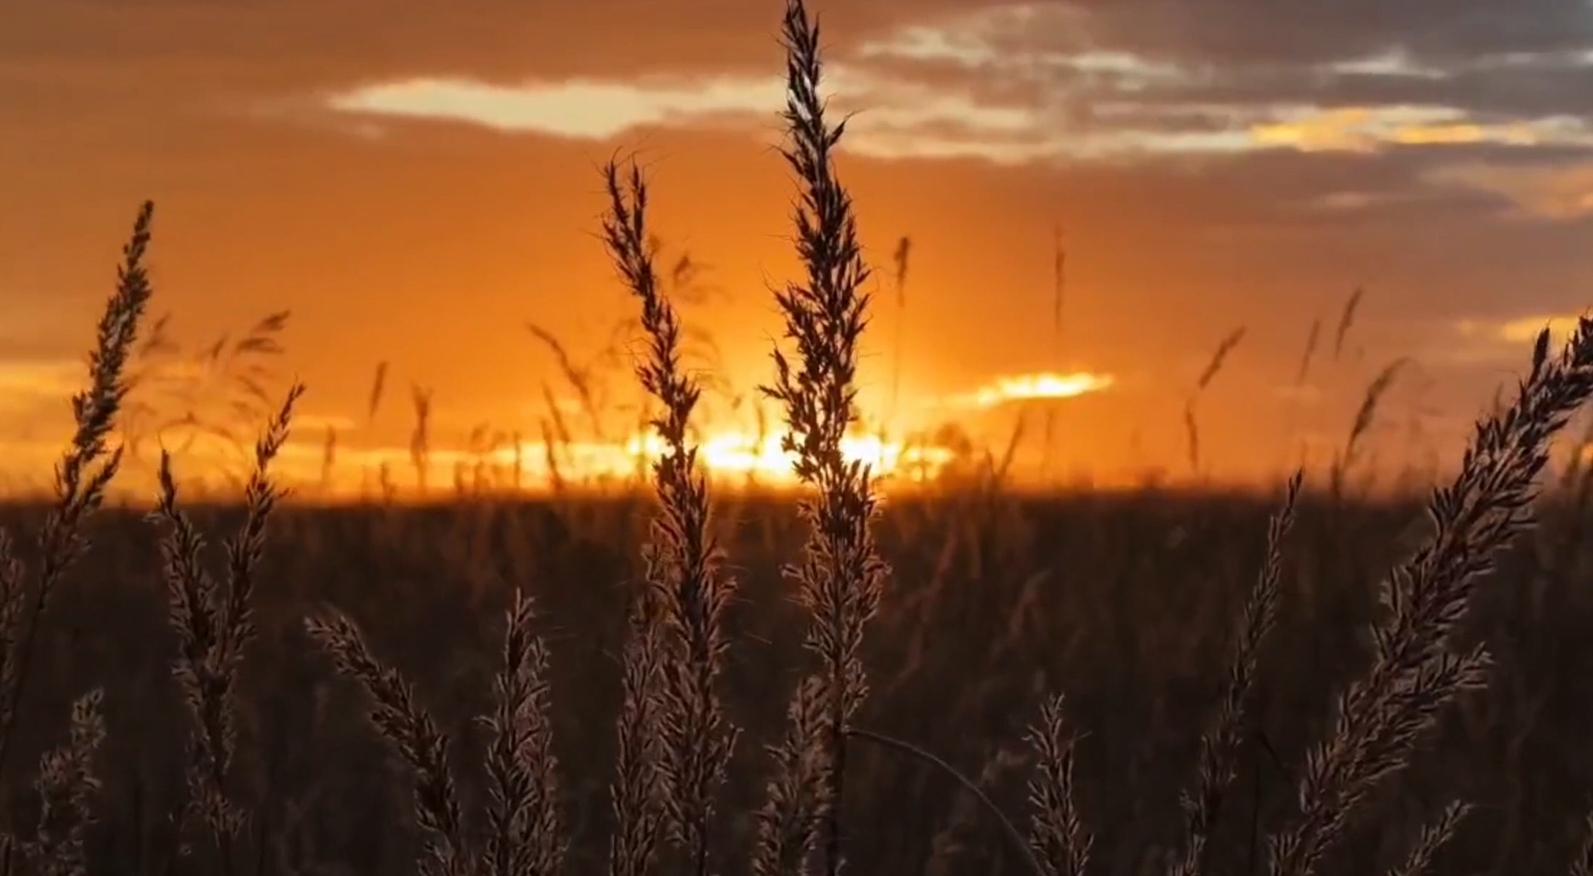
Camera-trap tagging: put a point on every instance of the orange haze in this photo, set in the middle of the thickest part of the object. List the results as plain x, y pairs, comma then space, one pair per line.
418, 182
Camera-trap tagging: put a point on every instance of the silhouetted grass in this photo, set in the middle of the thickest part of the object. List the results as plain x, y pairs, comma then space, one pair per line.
1111, 636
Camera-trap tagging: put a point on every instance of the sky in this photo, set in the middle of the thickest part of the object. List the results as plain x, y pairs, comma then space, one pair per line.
418, 181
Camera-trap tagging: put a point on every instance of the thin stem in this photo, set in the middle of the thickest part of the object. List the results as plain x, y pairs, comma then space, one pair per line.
968, 784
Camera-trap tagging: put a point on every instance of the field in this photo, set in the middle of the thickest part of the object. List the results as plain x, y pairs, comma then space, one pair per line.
1123, 602
680, 678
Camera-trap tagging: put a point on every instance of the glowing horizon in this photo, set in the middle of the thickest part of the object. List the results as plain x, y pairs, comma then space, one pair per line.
726, 451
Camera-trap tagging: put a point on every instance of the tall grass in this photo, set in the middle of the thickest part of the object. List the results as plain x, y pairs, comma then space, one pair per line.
674, 737
1415, 671
214, 624
689, 592
86, 469
841, 575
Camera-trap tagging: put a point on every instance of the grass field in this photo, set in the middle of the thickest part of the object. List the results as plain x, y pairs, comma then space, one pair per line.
1125, 603
696, 681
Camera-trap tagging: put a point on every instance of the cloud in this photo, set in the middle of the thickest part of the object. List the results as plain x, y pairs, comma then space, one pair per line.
1559, 190
1521, 329
575, 108
1367, 129
1021, 388
1526, 57
904, 119
1029, 82
1393, 62
1427, 32
1444, 52
1498, 341
895, 118
1304, 75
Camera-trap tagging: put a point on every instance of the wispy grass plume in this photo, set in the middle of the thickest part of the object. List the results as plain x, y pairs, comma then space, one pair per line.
1059, 287
525, 830
1366, 414
841, 573
86, 469
1311, 341
788, 823
68, 787
900, 260
420, 436
683, 558
1431, 841
373, 400
1057, 836
637, 788
399, 719
1415, 670
214, 623
1219, 746
1212, 369
1347, 321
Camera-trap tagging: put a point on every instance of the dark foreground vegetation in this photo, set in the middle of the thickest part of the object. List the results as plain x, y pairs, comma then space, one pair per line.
1127, 603
687, 683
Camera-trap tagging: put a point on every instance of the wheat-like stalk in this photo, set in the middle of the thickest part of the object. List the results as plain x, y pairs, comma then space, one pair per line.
683, 558
1431, 840
67, 786
1057, 837
1347, 320
420, 436
1414, 672
1214, 365
85, 470
400, 720
524, 825
788, 823
214, 623
636, 790
67, 783
1219, 746
841, 574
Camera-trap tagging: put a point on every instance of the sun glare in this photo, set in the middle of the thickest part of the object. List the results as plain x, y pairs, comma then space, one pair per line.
731, 453
734, 452
1045, 385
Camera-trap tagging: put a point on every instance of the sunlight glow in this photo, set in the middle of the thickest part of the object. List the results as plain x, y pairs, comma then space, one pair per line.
1044, 385
736, 452
327, 457
735, 457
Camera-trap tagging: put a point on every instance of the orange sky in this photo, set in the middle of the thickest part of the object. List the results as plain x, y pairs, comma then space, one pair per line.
416, 180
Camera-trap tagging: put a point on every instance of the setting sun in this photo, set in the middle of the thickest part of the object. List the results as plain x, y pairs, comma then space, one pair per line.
575, 437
